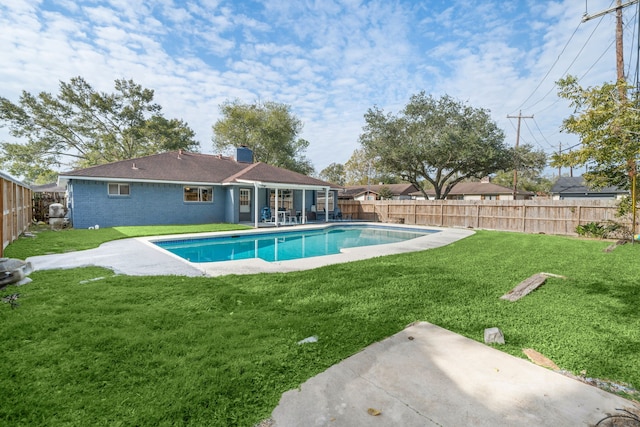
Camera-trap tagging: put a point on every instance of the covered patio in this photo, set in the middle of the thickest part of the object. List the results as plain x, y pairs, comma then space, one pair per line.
279, 216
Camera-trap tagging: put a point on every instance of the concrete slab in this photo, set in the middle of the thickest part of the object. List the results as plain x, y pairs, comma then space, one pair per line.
128, 256
428, 376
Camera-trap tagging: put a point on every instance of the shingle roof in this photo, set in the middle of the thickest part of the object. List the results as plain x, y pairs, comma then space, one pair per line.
577, 185
48, 188
477, 188
267, 173
396, 189
469, 188
176, 166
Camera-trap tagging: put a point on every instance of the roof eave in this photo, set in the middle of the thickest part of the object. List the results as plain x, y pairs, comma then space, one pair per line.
64, 179
263, 184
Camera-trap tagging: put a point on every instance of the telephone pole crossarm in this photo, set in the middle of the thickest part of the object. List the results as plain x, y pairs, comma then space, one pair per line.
587, 17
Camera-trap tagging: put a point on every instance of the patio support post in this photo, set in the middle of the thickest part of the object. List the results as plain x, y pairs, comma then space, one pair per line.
304, 208
326, 204
255, 204
277, 214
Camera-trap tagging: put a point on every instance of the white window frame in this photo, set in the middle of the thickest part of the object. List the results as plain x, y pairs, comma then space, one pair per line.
245, 200
285, 200
201, 191
120, 187
320, 201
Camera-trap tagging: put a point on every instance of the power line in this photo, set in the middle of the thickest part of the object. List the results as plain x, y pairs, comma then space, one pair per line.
551, 68
570, 65
541, 134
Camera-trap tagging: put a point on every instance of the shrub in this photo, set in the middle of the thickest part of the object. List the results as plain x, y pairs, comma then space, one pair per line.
603, 230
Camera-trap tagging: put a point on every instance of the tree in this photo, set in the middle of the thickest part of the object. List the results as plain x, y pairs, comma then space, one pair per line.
608, 128
534, 183
358, 168
269, 129
361, 169
81, 127
385, 193
440, 141
529, 163
333, 173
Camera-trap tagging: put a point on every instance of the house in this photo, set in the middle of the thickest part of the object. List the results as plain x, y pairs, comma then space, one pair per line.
190, 188
575, 187
479, 190
372, 192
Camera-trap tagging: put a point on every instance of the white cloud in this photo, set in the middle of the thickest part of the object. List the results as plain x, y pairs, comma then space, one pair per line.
329, 60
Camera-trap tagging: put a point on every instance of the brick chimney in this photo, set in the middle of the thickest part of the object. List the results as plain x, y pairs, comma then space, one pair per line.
244, 154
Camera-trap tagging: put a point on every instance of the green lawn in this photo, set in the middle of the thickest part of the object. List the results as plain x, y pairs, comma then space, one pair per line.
69, 240
220, 351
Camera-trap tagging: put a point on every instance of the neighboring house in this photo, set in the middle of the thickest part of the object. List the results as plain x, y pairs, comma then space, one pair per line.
482, 190
372, 192
575, 187
189, 188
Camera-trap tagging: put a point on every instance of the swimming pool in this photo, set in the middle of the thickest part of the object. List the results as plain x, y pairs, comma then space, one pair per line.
287, 245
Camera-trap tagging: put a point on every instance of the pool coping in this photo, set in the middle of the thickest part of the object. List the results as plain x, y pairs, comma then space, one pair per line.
138, 256
442, 237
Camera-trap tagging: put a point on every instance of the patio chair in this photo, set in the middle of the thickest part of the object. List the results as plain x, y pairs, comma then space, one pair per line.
337, 214
265, 215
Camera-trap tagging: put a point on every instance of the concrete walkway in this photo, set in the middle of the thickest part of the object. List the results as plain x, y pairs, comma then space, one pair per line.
428, 376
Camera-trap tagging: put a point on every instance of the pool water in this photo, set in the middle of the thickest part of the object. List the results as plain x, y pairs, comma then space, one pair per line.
283, 246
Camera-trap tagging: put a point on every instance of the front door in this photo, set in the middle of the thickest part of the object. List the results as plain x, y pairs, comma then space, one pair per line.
245, 205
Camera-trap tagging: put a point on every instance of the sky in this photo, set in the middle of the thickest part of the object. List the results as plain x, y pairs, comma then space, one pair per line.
329, 60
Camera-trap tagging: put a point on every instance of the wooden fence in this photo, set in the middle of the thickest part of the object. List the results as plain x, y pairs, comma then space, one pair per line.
16, 209
528, 216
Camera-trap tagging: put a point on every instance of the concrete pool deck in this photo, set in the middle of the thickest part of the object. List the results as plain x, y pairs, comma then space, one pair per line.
140, 257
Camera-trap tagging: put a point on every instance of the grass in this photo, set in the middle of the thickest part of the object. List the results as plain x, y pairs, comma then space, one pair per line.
68, 240
220, 351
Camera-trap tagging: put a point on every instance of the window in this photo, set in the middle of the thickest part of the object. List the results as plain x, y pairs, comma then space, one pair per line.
245, 200
320, 201
198, 194
285, 200
118, 189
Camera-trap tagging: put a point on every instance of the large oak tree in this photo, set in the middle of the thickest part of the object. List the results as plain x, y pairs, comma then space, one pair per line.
81, 127
269, 129
438, 141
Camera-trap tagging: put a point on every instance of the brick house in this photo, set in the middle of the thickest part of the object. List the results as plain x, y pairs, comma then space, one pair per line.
190, 188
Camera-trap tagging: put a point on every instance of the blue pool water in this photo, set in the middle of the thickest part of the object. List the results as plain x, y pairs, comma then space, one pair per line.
282, 246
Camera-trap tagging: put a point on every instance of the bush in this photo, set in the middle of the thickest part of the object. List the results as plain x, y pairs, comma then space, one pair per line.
603, 230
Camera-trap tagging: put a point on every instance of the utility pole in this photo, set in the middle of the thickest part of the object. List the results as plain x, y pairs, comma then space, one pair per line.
619, 48
515, 160
631, 162
560, 167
